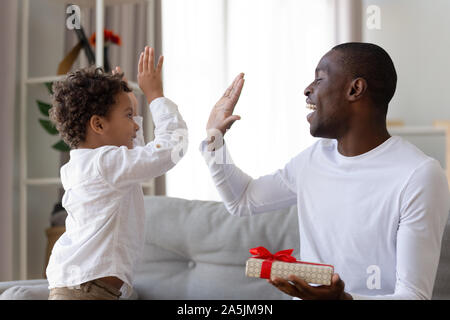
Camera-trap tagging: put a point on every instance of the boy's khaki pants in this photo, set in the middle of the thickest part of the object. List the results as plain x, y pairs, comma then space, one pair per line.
91, 290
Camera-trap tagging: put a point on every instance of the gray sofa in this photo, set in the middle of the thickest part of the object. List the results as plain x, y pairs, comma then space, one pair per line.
196, 250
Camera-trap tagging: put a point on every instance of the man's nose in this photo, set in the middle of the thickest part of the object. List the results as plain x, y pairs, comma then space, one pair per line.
307, 91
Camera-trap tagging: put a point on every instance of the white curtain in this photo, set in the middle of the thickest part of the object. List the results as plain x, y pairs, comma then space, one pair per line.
8, 33
277, 44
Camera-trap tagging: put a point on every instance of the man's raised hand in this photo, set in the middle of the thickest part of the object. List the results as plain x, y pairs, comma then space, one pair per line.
221, 117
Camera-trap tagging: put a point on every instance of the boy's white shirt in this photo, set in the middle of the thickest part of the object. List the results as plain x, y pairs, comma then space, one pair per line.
105, 205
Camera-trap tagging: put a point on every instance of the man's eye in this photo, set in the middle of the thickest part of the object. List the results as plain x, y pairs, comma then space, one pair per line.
317, 80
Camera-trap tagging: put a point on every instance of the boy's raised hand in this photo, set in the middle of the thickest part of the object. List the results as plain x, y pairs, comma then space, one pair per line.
149, 77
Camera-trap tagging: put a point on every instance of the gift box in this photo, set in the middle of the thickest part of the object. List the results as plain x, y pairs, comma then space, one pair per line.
282, 264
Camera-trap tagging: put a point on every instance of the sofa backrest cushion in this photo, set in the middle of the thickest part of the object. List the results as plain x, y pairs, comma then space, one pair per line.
197, 250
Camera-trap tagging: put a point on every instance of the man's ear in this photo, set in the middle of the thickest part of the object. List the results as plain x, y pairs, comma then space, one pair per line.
357, 89
96, 123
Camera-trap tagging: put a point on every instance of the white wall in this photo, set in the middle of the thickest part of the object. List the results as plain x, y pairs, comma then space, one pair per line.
46, 43
416, 34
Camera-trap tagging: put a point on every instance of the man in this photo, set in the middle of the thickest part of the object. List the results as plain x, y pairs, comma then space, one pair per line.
372, 205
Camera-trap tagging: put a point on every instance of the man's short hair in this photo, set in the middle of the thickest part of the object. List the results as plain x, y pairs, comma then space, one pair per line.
373, 63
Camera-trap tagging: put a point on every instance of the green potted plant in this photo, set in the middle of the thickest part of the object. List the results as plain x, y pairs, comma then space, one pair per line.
47, 124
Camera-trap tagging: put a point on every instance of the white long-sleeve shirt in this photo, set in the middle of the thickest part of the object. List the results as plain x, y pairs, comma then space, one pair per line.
105, 205
377, 217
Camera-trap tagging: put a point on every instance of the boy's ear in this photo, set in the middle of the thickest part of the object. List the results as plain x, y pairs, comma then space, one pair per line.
357, 89
96, 123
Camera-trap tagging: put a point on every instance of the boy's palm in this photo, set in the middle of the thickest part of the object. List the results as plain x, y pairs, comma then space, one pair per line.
149, 77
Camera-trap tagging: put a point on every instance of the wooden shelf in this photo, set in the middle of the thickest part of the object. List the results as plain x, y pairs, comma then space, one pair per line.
92, 3
43, 181
40, 80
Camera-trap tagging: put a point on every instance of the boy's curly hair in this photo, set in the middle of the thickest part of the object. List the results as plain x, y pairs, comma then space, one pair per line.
82, 94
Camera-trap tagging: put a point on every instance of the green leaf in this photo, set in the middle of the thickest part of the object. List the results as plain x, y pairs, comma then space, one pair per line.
48, 126
61, 146
49, 87
44, 107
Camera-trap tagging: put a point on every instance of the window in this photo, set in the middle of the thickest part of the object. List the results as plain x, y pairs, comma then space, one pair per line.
277, 44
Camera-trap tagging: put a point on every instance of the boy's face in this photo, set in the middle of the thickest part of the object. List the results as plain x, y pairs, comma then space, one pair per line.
120, 128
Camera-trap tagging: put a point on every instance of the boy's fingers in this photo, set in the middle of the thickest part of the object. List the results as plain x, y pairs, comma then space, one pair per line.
141, 63
151, 62
146, 57
160, 63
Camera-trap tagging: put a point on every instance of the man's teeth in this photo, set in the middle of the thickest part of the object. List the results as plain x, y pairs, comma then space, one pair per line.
311, 106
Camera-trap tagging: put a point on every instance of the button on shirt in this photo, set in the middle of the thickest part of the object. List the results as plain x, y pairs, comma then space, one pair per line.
377, 217
104, 201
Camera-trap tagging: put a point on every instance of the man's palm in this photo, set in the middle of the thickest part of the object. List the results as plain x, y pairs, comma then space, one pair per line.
221, 117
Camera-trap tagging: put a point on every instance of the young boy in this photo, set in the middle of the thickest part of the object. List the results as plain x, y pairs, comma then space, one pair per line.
92, 110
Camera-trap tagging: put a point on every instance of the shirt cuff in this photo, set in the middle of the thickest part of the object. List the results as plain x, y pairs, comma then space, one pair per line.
162, 106
219, 156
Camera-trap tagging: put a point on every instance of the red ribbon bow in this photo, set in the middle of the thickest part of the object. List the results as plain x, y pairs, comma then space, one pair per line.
263, 253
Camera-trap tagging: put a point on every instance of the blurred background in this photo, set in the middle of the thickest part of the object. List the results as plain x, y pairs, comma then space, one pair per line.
206, 43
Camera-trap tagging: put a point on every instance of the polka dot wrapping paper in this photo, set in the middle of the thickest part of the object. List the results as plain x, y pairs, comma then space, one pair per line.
266, 265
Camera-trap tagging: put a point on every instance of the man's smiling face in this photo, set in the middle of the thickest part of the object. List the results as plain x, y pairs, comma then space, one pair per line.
328, 94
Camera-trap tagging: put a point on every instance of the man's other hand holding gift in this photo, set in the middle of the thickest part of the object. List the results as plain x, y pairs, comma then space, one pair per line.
299, 288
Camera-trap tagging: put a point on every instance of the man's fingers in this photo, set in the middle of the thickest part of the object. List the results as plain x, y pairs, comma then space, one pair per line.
337, 282
228, 91
228, 122
232, 85
285, 286
301, 284
236, 92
